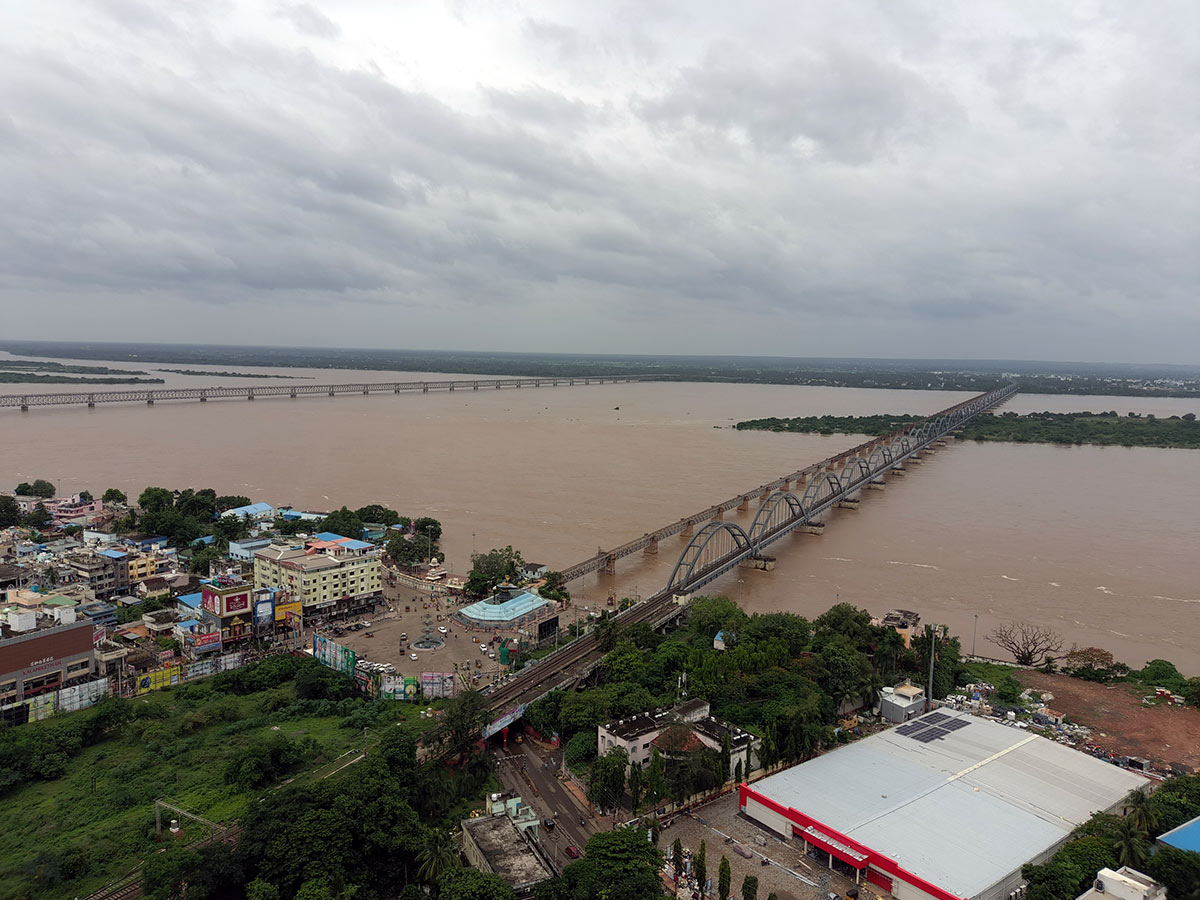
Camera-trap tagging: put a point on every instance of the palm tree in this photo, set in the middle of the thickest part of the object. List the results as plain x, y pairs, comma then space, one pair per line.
1131, 844
1140, 812
439, 855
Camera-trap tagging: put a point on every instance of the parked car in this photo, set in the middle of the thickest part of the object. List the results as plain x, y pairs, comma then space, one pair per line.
572, 851
442, 629
413, 657
404, 635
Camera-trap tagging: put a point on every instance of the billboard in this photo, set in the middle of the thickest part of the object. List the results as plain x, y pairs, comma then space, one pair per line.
289, 610
504, 721
334, 655
400, 687
264, 610
153, 681
435, 685
370, 683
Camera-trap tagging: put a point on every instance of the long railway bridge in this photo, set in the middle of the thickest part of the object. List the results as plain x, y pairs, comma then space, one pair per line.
717, 546
294, 391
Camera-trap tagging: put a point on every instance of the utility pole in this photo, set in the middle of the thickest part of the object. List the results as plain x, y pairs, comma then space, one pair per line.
931, 631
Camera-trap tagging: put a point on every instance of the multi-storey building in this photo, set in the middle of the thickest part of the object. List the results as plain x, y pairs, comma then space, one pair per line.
330, 574
41, 653
106, 572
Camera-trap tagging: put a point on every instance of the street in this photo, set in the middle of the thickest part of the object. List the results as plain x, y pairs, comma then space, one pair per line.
522, 770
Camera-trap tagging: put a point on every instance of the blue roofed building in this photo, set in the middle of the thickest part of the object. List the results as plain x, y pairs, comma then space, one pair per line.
509, 609
258, 512
189, 604
1185, 837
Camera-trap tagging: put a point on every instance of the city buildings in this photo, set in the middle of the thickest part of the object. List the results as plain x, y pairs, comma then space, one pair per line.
41, 653
329, 574
947, 806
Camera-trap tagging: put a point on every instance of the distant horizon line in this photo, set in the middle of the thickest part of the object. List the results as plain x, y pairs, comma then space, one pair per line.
5, 343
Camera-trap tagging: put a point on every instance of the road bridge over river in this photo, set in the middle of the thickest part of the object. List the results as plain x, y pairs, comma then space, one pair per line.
717, 546
294, 391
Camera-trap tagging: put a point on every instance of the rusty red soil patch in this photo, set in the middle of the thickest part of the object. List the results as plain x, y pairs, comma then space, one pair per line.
1119, 722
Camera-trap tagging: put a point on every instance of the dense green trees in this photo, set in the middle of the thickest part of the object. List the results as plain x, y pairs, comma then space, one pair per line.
10, 512
343, 521
1105, 428
606, 778
491, 568
618, 863
39, 488
114, 495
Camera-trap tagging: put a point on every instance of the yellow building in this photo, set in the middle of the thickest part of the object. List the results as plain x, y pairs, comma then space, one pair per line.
142, 566
329, 574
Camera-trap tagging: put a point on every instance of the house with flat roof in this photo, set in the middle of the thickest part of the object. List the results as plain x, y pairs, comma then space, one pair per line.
506, 843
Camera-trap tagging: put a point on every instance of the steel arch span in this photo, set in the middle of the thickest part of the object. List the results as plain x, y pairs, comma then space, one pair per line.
779, 508
856, 469
823, 486
711, 544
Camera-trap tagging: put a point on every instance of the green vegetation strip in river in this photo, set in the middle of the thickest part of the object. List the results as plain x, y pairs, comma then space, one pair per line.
1105, 428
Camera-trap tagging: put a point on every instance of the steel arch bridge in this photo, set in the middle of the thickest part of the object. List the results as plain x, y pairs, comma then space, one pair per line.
709, 550
719, 546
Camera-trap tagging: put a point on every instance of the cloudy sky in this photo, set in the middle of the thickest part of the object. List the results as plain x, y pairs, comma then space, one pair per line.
1015, 180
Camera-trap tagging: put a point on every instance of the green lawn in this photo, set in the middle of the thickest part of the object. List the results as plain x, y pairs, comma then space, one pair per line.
102, 810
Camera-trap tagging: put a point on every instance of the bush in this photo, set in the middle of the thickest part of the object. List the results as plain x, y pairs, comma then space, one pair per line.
1160, 673
581, 749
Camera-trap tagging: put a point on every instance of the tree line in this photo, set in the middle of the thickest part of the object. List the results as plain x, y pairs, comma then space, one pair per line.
1103, 428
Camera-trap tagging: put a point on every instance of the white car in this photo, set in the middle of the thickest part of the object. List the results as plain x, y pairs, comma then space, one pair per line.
442, 629
413, 657
491, 656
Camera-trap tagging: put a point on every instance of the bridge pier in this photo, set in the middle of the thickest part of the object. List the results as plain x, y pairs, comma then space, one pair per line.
812, 528
720, 516
610, 565
745, 504
651, 549
688, 530
149, 401
915, 459
848, 503
249, 396
876, 484
474, 387
424, 387
331, 393
762, 563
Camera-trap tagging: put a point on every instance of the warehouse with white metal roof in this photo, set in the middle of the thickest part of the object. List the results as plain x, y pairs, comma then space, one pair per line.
948, 806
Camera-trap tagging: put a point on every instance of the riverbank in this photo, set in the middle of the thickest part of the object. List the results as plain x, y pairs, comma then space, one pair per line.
1102, 429
207, 374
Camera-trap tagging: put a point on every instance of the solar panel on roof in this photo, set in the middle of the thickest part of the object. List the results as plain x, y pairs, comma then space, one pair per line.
910, 728
929, 734
934, 718
954, 724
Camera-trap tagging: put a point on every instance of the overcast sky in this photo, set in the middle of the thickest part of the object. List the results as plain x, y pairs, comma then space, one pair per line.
1016, 180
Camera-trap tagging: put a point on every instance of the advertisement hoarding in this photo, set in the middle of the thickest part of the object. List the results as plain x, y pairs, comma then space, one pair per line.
334, 655
153, 681
435, 685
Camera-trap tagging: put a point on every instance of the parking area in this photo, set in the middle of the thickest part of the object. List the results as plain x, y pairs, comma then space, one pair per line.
787, 873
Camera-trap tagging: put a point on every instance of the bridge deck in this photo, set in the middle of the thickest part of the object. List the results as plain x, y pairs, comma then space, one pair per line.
91, 398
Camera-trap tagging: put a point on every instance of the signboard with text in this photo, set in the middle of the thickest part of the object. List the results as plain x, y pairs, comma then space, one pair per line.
435, 685
334, 655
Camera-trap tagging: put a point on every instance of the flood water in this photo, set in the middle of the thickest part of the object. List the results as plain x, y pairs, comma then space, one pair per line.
1098, 543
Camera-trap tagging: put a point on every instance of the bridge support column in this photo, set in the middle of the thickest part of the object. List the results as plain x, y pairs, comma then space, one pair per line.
474, 387
848, 503
720, 516
876, 485
745, 504
249, 396
610, 565
688, 530
651, 548
424, 387
802, 480
149, 402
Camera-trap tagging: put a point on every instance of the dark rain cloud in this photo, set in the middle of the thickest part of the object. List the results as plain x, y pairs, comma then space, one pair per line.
803, 180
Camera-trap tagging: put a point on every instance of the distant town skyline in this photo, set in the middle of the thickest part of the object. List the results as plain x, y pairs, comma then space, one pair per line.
1008, 182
